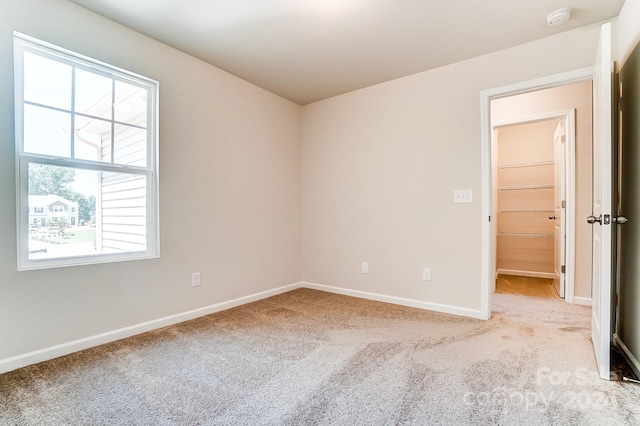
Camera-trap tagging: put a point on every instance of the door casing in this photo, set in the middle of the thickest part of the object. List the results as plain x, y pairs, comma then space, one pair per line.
602, 203
560, 140
488, 230
567, 117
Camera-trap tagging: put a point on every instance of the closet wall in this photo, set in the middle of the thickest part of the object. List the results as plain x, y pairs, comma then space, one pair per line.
525, 183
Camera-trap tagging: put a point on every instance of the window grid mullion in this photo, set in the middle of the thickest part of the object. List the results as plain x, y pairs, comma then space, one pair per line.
73, 109
79, 164
53, 108
113, 119
81, 114
22, 104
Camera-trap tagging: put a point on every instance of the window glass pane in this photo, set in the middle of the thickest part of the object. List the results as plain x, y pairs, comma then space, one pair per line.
93, 94
130, 146
47, 131
76, 212
46, 81
62, 211
91, 138
131, 104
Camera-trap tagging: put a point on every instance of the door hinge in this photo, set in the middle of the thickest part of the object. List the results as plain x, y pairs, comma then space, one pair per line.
563, 269
489, 218
564, 204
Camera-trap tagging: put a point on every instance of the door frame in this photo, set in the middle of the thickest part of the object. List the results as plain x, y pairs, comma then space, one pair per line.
602, 202
560, 222
488, 228
568, 116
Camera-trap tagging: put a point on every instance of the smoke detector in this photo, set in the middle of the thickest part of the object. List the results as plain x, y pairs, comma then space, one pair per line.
559, 16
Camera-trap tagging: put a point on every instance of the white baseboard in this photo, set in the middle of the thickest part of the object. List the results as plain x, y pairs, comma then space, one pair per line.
455, 310
45, 354
633, 361
585, 301
19, 361
519, 273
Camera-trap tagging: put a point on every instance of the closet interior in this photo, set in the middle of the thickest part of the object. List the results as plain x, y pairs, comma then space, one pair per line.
525, 199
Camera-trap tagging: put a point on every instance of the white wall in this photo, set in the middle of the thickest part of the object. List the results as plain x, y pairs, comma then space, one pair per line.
627, 30
562, 98
380, 165
229, 191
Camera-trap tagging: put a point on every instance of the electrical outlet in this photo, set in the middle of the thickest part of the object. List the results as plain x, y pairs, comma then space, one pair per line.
426, 274
463, 196
365, 267
195, 279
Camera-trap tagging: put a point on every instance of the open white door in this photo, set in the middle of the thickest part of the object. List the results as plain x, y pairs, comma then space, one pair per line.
559, 216
601, 213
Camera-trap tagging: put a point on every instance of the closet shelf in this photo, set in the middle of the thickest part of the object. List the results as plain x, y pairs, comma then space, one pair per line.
532, 164
524, 234
522, 187
525, 211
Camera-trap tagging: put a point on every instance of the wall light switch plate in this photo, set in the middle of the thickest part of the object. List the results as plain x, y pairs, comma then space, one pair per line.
365, 267
463, 196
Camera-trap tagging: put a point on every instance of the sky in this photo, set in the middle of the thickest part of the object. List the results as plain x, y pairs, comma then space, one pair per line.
48, 128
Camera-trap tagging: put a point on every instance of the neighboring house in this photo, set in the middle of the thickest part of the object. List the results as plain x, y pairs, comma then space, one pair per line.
46, 209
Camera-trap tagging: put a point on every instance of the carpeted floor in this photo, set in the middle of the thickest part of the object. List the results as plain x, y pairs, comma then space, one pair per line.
313, 358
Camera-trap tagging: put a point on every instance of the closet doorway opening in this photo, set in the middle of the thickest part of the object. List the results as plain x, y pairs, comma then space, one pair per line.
532, 175
552, 97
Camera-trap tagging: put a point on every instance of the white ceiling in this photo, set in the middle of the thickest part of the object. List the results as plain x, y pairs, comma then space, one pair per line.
307, 50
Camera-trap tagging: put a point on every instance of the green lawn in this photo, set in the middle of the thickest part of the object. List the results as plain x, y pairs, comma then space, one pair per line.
80, 236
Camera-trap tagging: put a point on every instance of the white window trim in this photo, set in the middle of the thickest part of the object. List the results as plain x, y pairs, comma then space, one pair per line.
24, 43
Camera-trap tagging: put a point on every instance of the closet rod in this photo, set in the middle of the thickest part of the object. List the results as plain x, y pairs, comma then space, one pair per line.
522, 187
525, 211
528, 235
533, 164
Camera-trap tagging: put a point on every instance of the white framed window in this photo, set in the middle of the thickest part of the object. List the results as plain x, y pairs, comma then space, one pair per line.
87, 147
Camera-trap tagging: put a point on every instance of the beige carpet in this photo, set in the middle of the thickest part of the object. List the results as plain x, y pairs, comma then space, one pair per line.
313, 358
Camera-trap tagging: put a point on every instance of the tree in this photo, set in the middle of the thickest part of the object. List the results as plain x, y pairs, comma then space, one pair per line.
45, 180
86, 206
